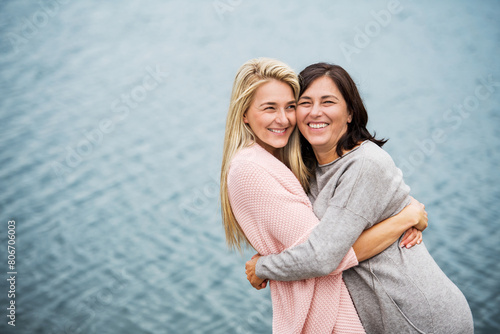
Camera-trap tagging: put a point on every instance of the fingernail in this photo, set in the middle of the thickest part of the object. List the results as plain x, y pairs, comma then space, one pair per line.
418, 242
408, 246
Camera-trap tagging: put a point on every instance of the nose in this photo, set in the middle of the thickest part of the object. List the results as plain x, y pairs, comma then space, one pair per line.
316, 110
281, 117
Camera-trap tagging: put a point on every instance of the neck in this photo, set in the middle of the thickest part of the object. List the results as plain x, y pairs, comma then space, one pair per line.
273, 150
325, 156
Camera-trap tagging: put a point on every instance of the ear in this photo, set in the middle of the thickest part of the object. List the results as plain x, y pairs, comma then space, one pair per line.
245, 120
349, 118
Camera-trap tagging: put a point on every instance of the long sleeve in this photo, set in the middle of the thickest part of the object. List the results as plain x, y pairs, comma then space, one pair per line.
267, 204
320, 254
275, 213
360, 198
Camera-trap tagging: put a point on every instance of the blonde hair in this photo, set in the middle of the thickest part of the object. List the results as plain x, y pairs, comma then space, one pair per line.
249, 78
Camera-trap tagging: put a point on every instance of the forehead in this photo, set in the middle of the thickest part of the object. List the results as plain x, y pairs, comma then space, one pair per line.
274, 90
322, 86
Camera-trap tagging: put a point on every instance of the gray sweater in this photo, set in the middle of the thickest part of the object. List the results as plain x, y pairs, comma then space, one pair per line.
398, 291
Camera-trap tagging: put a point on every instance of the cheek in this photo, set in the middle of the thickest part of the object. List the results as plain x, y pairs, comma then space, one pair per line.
292, 119
300, 115
258, 121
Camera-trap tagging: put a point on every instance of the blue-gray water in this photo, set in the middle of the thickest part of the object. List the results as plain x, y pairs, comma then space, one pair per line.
112, 119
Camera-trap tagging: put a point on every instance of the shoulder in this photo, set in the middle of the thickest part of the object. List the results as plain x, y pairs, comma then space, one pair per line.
256, 159
255, 164
374, 157
368, 162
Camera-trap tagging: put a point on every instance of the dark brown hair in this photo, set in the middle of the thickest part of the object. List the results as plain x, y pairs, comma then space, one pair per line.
356, 130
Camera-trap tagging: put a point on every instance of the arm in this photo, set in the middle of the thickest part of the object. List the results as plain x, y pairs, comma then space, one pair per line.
380, 236
373, 240
320, 254
273, 212
367, 191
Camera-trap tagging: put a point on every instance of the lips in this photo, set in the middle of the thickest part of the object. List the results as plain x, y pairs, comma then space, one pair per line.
277, 131
317, 125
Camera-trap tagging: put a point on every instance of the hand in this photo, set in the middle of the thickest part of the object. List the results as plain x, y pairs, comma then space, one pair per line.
411, 237
256, 282
420, 213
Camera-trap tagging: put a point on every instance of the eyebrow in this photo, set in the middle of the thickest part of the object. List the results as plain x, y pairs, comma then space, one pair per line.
274, 103
323, 97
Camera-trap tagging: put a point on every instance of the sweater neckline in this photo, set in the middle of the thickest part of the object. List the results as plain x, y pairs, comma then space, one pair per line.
346, 154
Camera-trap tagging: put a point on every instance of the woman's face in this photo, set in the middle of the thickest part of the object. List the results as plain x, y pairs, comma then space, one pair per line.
322, 115
271, 115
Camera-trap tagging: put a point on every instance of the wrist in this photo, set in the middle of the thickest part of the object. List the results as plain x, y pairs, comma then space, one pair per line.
413, 217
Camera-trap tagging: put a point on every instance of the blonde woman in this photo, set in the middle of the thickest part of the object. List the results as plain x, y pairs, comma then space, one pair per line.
264, 203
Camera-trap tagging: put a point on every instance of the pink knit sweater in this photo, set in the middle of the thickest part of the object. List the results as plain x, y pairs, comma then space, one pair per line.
275, 214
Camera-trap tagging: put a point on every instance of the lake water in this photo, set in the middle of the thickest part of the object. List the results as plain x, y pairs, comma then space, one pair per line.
112, 120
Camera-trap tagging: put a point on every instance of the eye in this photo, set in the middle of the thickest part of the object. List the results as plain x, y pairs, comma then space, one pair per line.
270, 108
291, 107
305, 104
328, 102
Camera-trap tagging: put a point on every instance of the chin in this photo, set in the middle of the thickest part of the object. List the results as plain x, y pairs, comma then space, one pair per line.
317, 142
279, 144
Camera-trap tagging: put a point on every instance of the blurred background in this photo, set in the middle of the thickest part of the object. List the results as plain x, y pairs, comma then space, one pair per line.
112, 120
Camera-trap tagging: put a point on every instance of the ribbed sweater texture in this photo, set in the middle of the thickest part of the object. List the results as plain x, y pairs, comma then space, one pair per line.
274, 212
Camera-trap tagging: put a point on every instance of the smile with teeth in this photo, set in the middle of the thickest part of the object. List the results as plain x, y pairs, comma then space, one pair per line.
277, 130
317, 125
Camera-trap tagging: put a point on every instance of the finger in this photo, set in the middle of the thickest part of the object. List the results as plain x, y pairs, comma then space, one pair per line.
410, 237
403, 240
415, 239
406, 237
411, 243
256, 281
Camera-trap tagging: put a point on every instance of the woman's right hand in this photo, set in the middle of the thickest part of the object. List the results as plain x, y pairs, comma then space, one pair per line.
256, 282
418, 217
419, 214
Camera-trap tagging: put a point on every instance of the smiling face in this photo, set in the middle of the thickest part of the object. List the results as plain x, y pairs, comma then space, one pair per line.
322, 117
271, 116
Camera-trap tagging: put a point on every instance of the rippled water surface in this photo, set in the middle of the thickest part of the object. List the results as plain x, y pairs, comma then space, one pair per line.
112, 120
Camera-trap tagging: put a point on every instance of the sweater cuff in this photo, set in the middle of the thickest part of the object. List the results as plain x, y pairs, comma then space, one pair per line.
350, 260
259, 269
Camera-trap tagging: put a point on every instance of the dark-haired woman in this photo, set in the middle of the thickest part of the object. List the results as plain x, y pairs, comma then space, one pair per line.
356, 185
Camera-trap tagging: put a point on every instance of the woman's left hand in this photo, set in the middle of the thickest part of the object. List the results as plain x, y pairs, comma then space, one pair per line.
256, 282
411, 238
